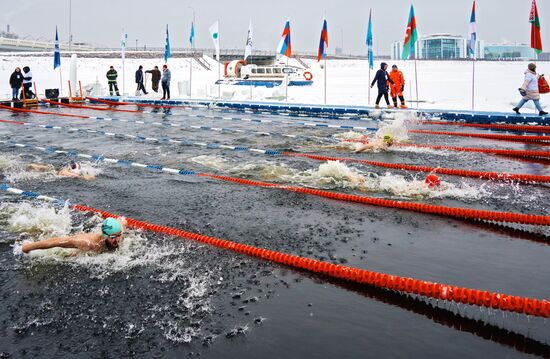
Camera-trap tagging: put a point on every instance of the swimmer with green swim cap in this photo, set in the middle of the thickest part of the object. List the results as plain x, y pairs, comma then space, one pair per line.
379, 144
108, 240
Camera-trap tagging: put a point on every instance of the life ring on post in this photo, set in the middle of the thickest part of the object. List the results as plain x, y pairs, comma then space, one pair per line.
308, 76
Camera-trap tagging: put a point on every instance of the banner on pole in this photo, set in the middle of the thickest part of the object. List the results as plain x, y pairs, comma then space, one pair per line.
323, 43
56, 52
248, 47
215, 35
472, 33
285, 46
167, 46
411, 36
369, 42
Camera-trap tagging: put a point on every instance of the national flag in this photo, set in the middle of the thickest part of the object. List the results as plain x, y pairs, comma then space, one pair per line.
411, 36
323, 42
56, 52
248, 47
215, 35
536, 41
123, 42
369, 42
167, 46
285, 47
472, 33
192, 34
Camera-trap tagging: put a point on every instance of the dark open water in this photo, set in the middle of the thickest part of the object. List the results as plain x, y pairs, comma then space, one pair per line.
165, 297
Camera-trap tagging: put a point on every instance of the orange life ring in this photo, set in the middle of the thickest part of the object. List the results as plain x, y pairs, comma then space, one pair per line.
308, 75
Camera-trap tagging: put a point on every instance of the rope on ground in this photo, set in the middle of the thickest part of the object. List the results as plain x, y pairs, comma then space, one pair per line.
504, 302
454, 212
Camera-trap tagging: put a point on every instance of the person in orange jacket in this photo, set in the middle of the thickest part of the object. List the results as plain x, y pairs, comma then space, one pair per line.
397, 87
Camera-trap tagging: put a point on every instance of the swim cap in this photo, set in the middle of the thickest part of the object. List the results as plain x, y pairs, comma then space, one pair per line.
74, 165
388, 138
110, 227
432, 180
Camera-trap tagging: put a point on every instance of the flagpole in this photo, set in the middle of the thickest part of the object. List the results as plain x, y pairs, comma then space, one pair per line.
192, 56
416, 82
368, 86
473, 82
60, 83
325, 80
286, 82
219, 67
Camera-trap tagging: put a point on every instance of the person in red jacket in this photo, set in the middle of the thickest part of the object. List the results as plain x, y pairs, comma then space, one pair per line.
397, 87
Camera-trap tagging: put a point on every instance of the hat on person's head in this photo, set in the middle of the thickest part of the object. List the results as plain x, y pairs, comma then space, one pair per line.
165, 66
112, 67
140, 66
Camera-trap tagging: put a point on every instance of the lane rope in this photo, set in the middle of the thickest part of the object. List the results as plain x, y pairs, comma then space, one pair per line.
427, 289
520, 128
95, 108
510, 138
495, 176
454, 212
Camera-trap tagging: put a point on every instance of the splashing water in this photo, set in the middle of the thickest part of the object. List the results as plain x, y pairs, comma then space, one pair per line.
16, 170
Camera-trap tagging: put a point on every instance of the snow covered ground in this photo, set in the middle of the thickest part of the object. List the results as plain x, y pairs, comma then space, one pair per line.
442, 85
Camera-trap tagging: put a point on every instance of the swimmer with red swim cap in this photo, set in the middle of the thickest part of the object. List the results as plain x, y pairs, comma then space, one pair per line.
432, 180
108, 240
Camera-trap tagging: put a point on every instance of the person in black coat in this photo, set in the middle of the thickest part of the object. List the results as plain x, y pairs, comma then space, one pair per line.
382, 78
16, 80
139, 81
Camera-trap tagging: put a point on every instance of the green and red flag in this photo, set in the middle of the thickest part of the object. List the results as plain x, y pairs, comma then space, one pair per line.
536, 42
411, 36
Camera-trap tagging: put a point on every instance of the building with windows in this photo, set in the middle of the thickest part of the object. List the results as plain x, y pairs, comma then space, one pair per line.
440, 47
509, 52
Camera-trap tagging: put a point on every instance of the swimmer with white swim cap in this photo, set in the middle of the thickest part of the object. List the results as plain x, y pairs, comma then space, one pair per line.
379, 144
108, 240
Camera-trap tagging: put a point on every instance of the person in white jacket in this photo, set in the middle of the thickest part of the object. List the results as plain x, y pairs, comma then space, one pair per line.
530, 90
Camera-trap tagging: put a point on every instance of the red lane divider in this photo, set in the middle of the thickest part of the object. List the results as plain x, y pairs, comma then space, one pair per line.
446, 171
513, 153
526, 128
41, 112
87, 107
505, 302
120, 103
13, 122
512, 138
455, 212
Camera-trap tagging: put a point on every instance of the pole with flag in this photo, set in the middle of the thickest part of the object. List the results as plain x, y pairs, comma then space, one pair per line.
192, 43
285, 49
123, 42
370, 51
215, 35
167, 46
411, 36
322, 53
248, 47
472, 36
57, 61
536, 41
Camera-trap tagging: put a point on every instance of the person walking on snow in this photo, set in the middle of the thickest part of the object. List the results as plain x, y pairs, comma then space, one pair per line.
111, 80
16, 80
155, 78
139, 81
398, 86
382, 78
27, 82
166, 77
530, 90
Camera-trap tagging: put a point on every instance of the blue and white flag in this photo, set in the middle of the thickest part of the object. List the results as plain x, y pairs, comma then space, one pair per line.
192, 35
472, 33
215, 35
123, 42
369, 42
248, 47
167, 46
56, 52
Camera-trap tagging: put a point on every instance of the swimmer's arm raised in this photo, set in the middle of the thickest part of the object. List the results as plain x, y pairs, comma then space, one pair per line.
77, 242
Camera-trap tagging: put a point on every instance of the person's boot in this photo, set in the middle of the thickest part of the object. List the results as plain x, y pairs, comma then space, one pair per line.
516, 110
542, 113
403, 105
377, 106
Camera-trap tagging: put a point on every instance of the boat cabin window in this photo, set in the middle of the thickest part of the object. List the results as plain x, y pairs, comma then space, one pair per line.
267, 71
287, 70
261, 71
276, 71
253, 71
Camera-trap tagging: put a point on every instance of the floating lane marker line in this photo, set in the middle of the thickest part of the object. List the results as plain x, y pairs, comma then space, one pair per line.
446, 292
454, 212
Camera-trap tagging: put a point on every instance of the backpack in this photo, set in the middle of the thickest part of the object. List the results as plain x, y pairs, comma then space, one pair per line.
543, 85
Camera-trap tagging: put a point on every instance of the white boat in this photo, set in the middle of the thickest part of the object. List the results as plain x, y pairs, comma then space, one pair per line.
238, 72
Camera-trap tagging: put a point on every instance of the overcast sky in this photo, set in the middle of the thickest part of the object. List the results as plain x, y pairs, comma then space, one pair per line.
100, 22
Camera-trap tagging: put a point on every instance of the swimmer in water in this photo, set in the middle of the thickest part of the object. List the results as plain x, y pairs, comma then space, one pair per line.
380, 144
108, 240
72, 170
